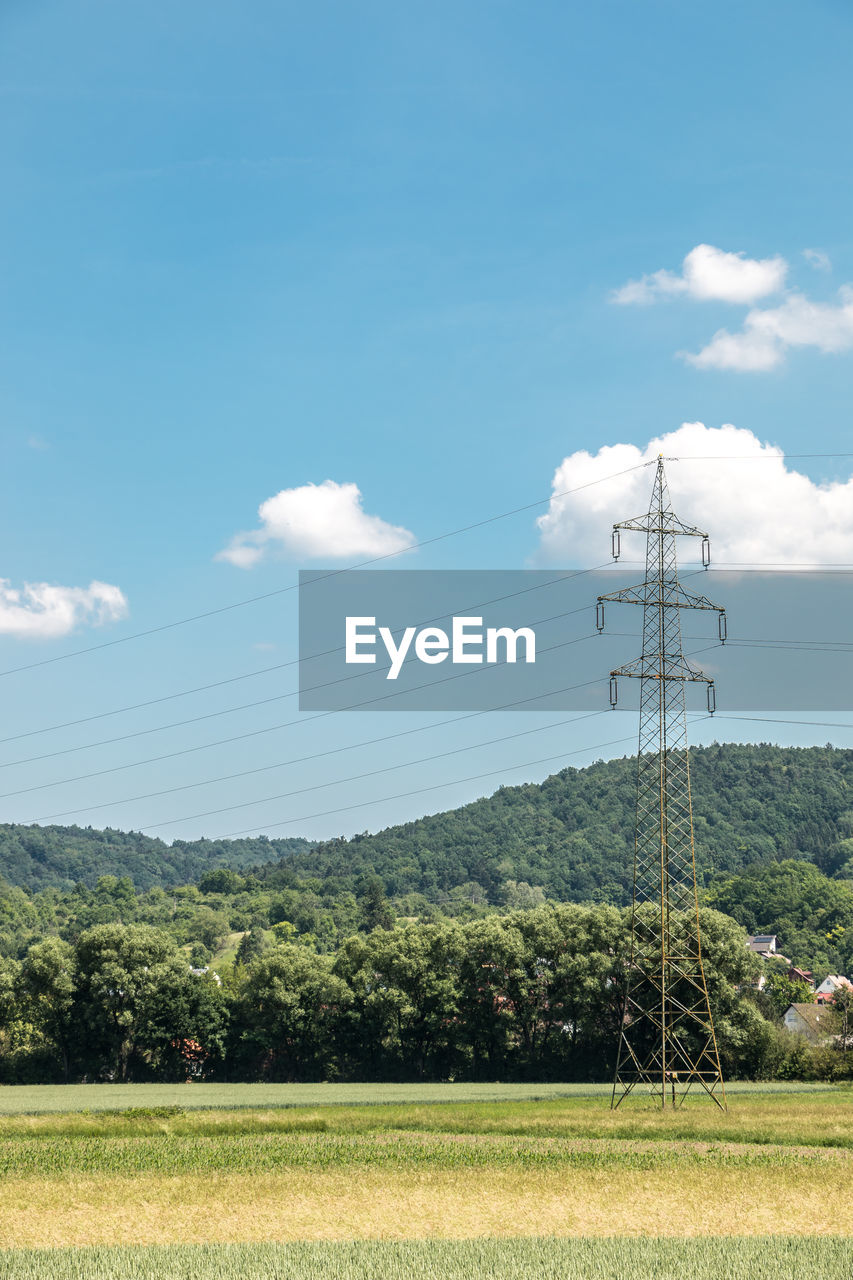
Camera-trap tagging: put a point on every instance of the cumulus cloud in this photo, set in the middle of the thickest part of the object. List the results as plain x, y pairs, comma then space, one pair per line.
316, 522
40, 610
769, 332
758, 511
709, 274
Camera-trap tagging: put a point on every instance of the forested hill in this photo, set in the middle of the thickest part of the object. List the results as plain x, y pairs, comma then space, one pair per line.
573, 834
58, 857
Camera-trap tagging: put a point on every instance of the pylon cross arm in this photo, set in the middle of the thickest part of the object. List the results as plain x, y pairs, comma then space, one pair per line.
639, 669
664, 596
660, 522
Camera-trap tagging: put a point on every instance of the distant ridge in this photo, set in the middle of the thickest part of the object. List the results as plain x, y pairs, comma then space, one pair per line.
573, 833
43, 857
570, 834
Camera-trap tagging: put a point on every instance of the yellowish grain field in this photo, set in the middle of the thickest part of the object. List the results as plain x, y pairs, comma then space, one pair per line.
558, 1169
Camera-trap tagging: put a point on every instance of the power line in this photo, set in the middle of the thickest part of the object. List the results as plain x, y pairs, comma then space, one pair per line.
820, 646
316, 755
151, 702
293, 662
795, 646
363, 564
247, 706
804, 566
332, 573
832, 724
744, 642
827, 724
757, 457
372, 773
527, 764
476, 777
253, 733
231, 835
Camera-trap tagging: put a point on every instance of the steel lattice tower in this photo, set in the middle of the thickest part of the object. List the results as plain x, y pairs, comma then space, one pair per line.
667, 1039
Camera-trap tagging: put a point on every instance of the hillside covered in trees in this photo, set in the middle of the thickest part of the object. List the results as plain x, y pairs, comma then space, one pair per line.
774, 843
35, 857
570, 835
573, 833
482, 942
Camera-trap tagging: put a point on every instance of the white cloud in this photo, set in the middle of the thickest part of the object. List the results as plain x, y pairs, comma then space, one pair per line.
659, 284
39, 610
768, 333
748, 352
316, 522
817, 259
757, 511
709, 274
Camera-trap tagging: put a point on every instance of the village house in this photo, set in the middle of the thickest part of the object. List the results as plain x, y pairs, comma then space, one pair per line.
809, 1020
833, 982
764, 944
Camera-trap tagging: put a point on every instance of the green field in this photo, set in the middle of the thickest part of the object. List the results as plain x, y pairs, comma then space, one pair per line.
761, 1258
20, 1099
423, 1181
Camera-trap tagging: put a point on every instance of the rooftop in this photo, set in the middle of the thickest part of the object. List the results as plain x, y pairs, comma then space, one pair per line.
813, 1015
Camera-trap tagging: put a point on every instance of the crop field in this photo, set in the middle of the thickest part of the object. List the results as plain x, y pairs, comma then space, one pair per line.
756, 1258
541, 1183
20, 1099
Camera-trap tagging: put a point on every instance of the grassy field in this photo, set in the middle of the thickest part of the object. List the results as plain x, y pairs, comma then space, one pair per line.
762, 1258
18, 1099
557, 1186
804, 1118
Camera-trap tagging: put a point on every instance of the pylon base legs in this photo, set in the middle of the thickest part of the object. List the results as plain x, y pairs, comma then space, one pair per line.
669, 1072
670, 1093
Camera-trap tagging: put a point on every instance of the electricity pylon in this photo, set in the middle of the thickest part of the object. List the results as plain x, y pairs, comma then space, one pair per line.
667, 1039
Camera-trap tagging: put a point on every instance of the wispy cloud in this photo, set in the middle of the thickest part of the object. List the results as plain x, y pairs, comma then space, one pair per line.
768, 333
39, 610
316, 522
817, 259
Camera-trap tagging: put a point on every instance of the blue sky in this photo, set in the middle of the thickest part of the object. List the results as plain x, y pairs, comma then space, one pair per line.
246, 250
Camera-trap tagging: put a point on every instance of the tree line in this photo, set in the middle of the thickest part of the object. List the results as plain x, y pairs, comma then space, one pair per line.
811, 913
531, 994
